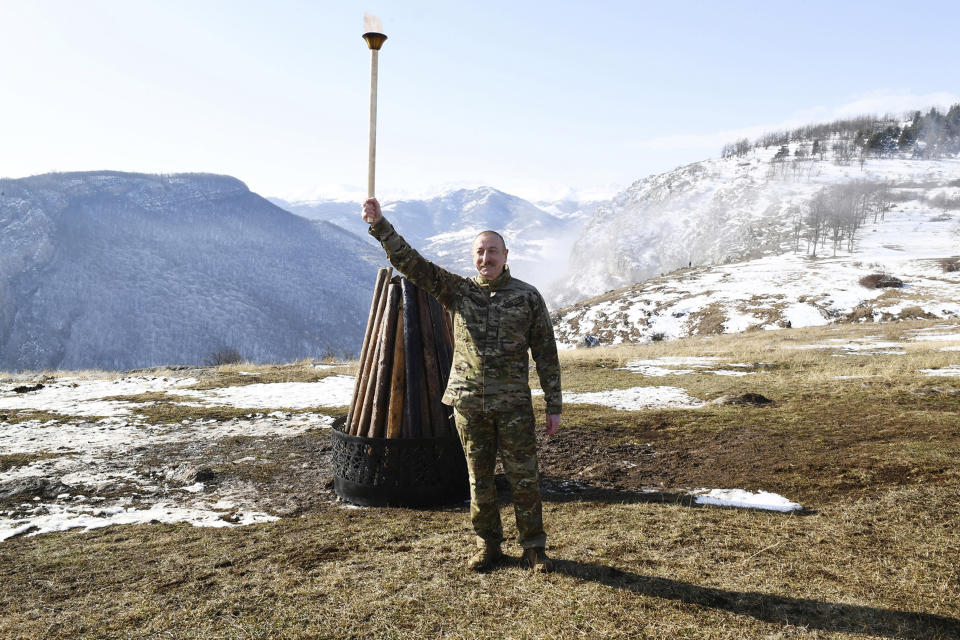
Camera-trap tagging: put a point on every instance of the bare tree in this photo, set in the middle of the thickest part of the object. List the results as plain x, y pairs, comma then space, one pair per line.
841, 152
840, 211
815, 221
796, 213
882, 199
226, 355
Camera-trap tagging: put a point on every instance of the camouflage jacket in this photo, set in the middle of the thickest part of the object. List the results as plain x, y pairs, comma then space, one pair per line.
494, 325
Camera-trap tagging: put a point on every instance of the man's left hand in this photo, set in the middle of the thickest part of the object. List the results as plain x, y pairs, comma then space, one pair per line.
553, 423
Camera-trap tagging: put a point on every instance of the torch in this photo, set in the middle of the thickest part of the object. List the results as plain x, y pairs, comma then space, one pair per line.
375, 39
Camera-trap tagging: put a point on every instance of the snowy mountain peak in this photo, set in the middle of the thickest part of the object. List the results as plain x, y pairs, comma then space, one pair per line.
443, 228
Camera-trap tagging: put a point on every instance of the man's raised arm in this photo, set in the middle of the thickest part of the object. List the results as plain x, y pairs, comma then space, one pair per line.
435, 280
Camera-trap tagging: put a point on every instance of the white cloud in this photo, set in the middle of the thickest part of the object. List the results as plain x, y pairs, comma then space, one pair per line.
880, 102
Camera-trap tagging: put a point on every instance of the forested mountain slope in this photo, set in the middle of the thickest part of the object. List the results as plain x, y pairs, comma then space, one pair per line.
116, 270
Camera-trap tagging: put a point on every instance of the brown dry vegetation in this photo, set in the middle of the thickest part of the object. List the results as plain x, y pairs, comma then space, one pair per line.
874, 459
880, 280
13, 460
235, 375
707, 321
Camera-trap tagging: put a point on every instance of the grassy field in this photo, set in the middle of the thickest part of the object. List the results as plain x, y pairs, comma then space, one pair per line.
866, 443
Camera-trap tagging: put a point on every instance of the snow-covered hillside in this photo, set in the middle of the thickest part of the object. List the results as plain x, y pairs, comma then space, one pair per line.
914, 241
539, 236
114, 270
719, 211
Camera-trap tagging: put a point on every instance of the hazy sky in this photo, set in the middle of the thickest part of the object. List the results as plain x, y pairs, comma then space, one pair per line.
540, 99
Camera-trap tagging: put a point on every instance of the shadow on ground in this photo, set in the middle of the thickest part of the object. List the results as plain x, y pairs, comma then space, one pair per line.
813, 614
554, 489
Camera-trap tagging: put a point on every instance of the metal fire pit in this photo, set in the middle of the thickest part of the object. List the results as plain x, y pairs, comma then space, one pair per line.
399, 472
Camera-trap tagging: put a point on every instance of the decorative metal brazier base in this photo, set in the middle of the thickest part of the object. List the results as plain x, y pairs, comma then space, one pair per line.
399, 472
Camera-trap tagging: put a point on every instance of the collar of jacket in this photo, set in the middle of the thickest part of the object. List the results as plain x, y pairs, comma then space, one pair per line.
500, 282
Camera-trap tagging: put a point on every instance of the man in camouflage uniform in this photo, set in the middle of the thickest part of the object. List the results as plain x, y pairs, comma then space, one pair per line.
496, 319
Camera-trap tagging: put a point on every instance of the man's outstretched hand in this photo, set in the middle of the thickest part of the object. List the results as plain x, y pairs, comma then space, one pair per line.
371, 211
553, 423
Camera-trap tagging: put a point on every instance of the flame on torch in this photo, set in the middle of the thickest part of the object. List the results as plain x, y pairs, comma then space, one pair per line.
372, 24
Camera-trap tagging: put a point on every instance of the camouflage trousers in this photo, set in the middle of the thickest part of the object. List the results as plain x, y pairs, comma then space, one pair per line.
512, 434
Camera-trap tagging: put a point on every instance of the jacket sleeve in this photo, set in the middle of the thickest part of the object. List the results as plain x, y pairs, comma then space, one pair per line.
436, 281
543, 346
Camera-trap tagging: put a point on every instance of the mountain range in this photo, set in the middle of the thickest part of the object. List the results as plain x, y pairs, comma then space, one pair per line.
538, 235
116, 270
119, 270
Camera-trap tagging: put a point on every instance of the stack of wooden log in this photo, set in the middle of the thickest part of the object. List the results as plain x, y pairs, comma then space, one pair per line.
404, 365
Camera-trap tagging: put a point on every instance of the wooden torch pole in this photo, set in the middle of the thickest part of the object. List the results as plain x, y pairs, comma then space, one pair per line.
375, 40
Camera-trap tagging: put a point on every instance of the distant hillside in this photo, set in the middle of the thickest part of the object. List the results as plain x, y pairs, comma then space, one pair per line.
794, 194
930, 135
765, 241
116, 270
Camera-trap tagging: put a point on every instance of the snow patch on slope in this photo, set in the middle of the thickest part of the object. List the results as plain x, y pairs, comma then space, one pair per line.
786, 290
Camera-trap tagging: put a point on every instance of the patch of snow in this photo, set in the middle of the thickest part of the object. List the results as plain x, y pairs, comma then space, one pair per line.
800, 314
106, 453
679, 361
48, 518
865, 346
635, 398
738, 322
81, 397
653, 368
95, 438
332, 391
952, 371
654, 371
939, 337
870, 346
741, 498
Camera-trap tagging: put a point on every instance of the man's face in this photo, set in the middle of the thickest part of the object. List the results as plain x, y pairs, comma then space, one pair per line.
489, 256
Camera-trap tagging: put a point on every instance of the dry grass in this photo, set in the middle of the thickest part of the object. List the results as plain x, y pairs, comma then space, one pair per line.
235, 375
150, 396
16, 416
173, 412
10, 461
875, 461
227, 374
707, 321
881, 569
769, 346
880, 280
